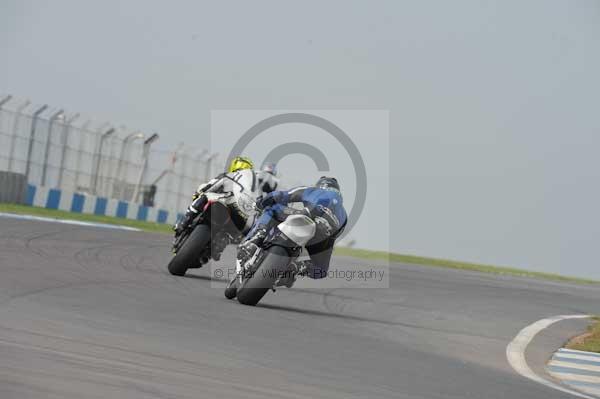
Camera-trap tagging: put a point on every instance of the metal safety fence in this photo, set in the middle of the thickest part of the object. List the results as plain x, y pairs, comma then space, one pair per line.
57, 149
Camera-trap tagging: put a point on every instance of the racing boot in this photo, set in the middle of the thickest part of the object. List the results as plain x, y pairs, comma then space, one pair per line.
247, 248
190, 214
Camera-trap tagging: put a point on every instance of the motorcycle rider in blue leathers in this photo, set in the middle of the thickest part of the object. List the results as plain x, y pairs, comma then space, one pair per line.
324, 203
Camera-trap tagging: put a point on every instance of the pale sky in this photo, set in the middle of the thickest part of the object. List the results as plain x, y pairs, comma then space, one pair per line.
493, 106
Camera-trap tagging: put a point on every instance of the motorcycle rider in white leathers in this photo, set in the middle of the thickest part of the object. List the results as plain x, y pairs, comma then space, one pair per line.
238, 189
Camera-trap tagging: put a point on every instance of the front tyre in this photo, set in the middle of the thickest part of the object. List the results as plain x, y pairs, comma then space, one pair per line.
188, 255
231, 289
255, 287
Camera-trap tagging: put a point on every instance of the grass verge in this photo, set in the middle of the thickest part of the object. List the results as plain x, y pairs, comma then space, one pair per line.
342, 251
56, 214
452, 264
590, 341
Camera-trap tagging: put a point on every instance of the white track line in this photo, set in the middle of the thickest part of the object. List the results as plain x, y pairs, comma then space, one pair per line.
515, 352
67, 221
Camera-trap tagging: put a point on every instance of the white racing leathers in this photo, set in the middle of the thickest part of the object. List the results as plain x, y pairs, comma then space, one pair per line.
238, 191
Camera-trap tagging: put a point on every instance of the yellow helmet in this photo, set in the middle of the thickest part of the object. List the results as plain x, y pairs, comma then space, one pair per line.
239, 163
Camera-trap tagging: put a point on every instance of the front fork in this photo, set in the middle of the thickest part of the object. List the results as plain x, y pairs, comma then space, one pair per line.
246, 268
243, 267
179, 240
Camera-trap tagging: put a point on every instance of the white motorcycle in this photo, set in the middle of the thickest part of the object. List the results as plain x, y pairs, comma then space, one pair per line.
271, 262
225, 218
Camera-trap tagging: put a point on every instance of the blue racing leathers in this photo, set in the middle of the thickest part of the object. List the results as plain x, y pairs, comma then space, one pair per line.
325, 207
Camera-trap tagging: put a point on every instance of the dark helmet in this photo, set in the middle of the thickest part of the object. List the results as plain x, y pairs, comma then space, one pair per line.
328, 183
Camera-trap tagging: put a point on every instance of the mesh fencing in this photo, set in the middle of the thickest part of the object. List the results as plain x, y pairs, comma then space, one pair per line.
58, 150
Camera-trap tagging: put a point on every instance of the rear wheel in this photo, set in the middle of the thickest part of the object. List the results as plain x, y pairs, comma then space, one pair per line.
255, 287
188, 256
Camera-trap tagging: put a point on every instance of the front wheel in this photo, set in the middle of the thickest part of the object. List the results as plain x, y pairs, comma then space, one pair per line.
231, 289
256, 286
188, 256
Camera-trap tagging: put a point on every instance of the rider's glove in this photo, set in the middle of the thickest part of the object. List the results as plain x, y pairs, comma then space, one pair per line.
265, 202
324, 228
247, 248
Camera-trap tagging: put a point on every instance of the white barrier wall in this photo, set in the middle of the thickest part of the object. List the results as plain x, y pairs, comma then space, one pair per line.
53, 198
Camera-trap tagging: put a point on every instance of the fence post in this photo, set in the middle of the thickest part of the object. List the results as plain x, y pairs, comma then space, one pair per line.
53, 118
64, 140
145, 155
171, 180
83, 129
180, 189
34, 120
208, 163
130, 138
2, 102
15, 128
99, 159
199, 160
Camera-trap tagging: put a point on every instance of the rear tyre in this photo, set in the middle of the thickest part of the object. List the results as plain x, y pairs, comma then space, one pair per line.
188, 255
255, 287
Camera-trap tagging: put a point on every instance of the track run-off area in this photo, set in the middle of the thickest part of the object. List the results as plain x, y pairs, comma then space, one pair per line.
88, 312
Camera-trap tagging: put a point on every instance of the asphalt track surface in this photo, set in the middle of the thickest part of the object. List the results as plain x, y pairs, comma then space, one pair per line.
93, 313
